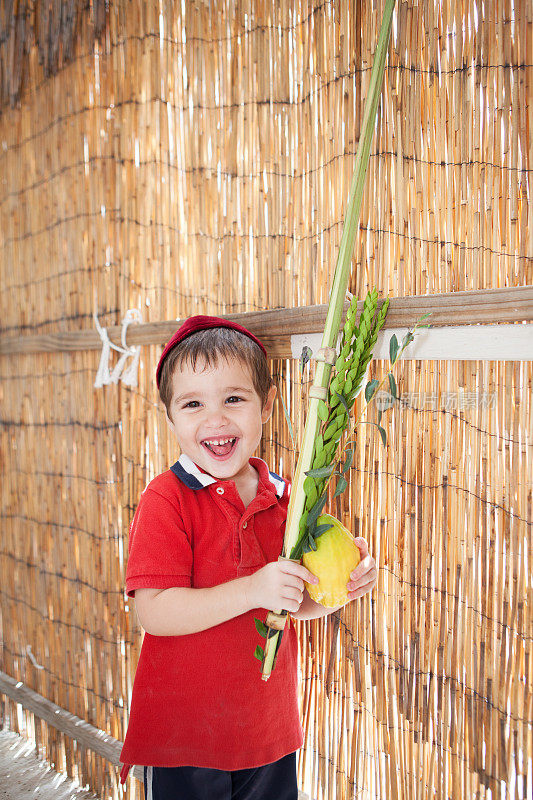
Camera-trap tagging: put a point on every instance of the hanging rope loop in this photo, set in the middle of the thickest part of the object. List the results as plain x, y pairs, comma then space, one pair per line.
127, 374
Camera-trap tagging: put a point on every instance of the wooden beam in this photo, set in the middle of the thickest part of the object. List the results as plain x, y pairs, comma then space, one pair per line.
85, 734
275, 326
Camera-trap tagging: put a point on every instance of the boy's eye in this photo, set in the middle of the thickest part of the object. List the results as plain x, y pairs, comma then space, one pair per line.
192, 404
234, 399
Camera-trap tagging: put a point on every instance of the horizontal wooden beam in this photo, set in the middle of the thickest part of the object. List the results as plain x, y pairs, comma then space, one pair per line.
85, 734
275, 326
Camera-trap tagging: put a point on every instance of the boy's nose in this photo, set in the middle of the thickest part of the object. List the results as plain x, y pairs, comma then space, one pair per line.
216, 417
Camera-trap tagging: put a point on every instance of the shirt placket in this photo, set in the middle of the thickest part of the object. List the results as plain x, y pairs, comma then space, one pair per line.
247, 551
252, 554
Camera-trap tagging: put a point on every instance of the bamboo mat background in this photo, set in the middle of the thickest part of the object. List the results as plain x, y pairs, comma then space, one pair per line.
197, 158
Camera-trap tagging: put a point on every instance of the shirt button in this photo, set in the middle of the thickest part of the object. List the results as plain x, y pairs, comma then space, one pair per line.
220, 490
245, 525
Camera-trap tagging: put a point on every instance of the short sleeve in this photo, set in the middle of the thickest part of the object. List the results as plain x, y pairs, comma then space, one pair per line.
160, 552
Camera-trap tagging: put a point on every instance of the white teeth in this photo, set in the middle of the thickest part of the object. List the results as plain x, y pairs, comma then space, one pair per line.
219, 441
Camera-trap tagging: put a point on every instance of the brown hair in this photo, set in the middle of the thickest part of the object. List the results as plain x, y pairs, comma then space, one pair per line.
210, 346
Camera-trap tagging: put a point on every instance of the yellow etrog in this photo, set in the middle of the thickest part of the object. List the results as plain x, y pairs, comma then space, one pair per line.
333, 560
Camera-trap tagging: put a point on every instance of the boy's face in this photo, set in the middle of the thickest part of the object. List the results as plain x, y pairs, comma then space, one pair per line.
217, 416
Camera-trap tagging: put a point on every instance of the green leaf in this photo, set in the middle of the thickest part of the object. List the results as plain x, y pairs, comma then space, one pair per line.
392, 384
259, 653
297, 551
305, 357
340, 364
393, 348
320, 472
383, 434
380, 414
341, 486
316, 511
311, 544
320, 460
407, 339
322, 411
348, 462
320, 529
337, 435
370, 389
336, 424
309, 484
262, 629
343, 401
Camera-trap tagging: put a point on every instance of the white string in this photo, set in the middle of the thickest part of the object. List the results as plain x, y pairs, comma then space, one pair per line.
129, 375
102, 374
120, 372
32, 657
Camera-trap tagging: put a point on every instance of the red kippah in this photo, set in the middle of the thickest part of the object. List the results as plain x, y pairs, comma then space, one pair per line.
201, 323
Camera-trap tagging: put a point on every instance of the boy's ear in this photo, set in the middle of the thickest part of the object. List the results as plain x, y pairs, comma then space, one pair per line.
170, 423
269, 403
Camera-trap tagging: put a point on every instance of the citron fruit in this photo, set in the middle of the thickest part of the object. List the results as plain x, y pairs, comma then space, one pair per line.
336, 555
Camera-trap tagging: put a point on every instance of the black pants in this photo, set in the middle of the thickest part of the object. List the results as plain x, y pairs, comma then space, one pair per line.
276, 781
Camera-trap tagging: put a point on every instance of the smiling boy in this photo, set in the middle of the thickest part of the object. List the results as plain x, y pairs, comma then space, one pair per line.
217, 418
202, 564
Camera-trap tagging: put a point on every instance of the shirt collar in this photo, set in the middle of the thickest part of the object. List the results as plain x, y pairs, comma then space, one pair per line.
192, 476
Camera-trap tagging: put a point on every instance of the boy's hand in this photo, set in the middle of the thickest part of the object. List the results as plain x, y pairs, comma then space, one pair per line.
364, 576
278, 585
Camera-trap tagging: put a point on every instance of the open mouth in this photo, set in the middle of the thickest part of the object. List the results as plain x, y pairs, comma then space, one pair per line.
221, 448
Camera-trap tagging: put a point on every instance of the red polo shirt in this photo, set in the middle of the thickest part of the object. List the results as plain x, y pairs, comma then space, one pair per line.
198, 699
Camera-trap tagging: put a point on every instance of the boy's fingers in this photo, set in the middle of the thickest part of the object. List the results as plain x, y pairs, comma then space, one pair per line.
293, 594
362, 544
299, 570
292, 597
354, 594
365, 565
362, 579
295, 583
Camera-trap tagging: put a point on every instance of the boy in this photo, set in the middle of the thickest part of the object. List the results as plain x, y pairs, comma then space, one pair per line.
202, 563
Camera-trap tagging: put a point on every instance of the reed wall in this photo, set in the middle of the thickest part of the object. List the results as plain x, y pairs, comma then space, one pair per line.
197, 158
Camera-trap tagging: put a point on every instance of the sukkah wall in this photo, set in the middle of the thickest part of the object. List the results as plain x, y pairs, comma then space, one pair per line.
197, 158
